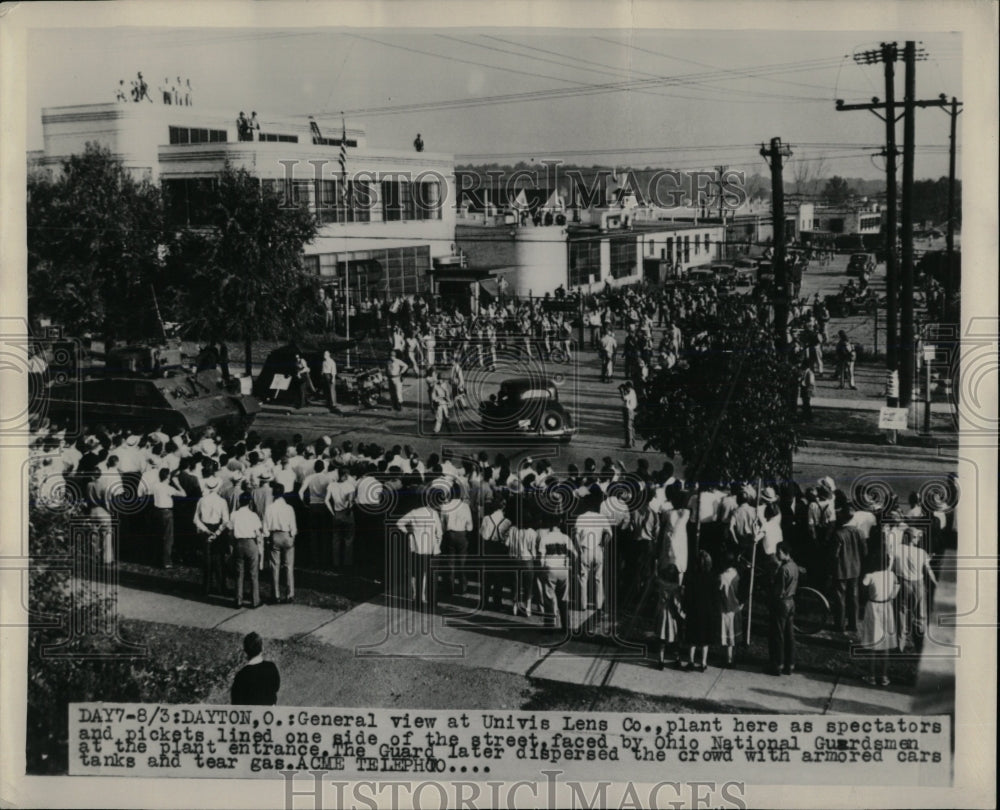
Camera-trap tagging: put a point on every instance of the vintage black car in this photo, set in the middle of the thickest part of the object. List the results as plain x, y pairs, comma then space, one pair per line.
861, 265
528, 406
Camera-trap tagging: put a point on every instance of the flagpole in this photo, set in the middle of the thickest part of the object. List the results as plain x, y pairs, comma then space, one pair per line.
347, 261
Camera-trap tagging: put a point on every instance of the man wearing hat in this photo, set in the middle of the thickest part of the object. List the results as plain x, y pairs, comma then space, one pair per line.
262, 493
849, 551
746, 519
210, 518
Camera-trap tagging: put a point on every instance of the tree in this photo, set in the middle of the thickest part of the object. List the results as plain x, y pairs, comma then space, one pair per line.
72, 657
730, 411
930, 201
806, 173
93, 236
243, 270
837, 190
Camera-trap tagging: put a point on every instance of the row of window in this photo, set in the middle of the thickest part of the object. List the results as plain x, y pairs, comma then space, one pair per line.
585, 260
180, 135
320, 141
270, 137
374, 273
331, 200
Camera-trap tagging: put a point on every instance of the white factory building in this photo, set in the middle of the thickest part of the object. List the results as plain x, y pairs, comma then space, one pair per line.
588, 249
397, 224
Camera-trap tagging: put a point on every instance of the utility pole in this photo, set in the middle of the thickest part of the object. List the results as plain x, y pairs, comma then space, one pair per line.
888, 55
721, 170
780, 294
949, 279
891, 268
907, 359
899, 353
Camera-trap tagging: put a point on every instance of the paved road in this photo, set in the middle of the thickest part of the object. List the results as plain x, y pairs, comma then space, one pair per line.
596, 408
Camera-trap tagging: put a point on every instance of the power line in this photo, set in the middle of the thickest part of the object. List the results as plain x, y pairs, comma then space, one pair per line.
582, 89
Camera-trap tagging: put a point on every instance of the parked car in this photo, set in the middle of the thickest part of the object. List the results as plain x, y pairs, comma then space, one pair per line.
528, 406
702, 274
861, 264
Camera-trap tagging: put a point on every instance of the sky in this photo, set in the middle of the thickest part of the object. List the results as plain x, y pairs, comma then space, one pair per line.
616, 97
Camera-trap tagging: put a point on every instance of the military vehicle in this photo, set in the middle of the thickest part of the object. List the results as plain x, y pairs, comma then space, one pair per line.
142, 386
175, 402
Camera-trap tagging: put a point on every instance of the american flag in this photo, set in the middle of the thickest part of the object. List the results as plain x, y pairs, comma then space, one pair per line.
343, 148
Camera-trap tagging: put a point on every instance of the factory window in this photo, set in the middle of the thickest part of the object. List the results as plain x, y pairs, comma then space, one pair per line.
183, 135
623, 258
188, 202
275, 138
584, 262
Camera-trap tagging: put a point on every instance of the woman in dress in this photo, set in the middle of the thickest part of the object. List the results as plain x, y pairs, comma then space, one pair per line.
878, 628
669, 611
730, 609
674, 530
701, 611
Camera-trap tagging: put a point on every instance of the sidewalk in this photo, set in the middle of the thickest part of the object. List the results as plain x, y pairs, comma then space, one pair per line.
520, 646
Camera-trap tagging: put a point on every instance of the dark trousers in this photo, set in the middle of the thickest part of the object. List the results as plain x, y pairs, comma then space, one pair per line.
781, 634
216, 552
807, 411
845, 603
343, 539
495, 576
319, 534
165, 521
185, 539
456, 547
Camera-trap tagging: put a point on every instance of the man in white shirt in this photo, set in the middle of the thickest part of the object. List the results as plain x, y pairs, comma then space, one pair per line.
441, 401
312, 494
493, 531
395, 369
248, 533
630, 404
329, 372
911, 564
591, 533
280, 525
607, 352
211, 517
456, 516
163, 494
284, 474
339, 500
422, 528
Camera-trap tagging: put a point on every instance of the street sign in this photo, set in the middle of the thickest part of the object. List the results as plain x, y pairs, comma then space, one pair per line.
929, 353
892, 418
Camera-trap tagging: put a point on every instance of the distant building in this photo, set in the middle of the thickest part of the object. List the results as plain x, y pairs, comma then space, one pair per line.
383, 237
815, 221
584, 249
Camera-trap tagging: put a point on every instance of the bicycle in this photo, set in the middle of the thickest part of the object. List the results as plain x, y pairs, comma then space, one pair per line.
812, 608
558, 354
